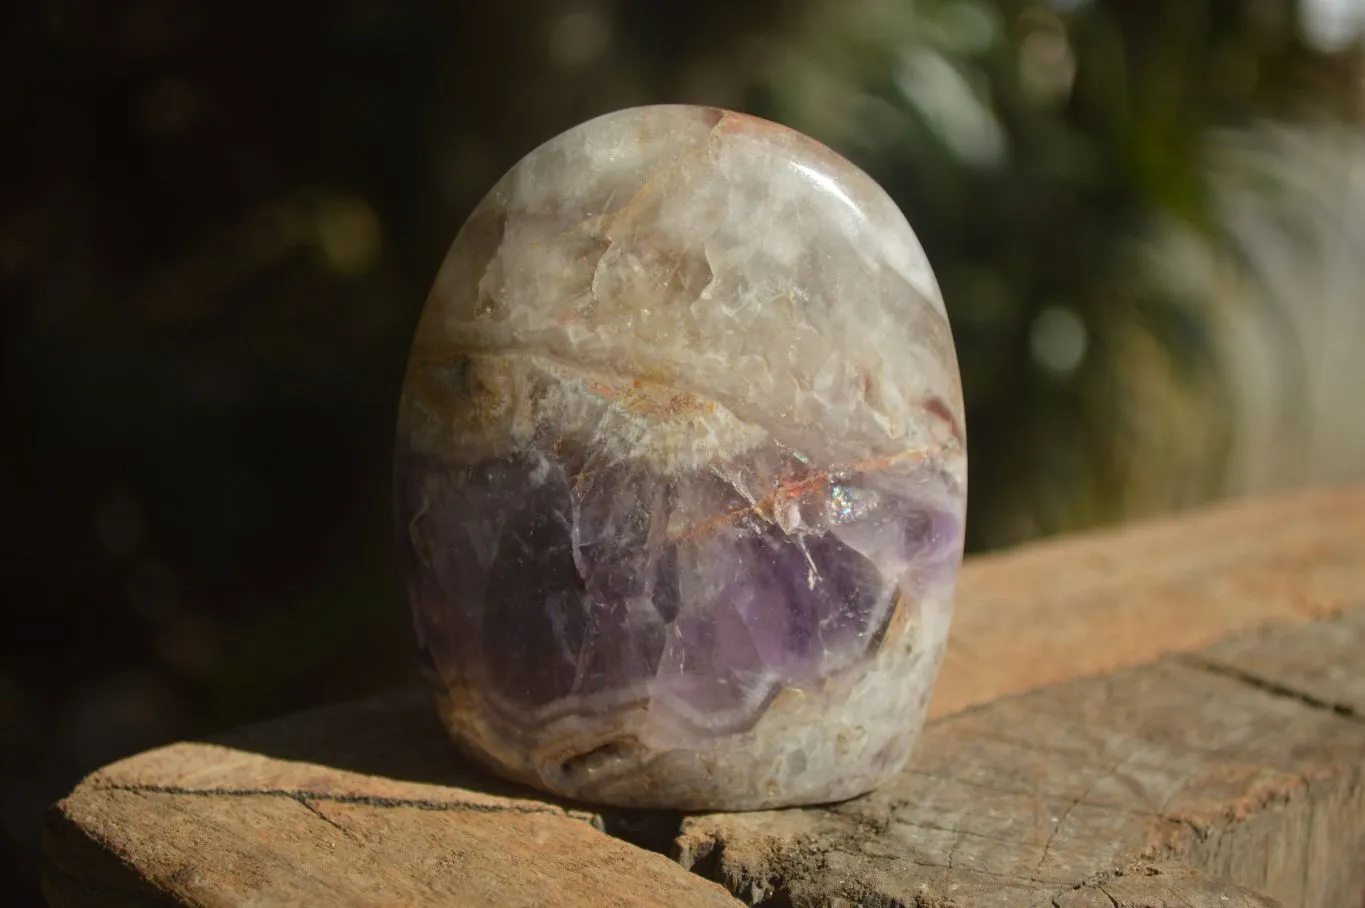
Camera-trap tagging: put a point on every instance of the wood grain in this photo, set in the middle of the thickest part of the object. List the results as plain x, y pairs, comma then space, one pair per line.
1123, 749
1177, 777
368, 805
1079, 605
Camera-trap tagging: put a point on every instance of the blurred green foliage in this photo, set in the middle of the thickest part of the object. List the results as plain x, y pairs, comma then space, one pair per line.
219, 223
1038, 154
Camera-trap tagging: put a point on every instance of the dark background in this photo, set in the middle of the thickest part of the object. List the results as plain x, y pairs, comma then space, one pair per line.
218, 223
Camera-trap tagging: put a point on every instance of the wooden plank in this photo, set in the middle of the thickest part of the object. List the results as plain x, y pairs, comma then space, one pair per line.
1182, 779
1181, 783
251, 849
362, 804
1079, 605
1320, 663
1174, 783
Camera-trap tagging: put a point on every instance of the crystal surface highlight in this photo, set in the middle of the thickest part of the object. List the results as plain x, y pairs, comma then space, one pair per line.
680, 472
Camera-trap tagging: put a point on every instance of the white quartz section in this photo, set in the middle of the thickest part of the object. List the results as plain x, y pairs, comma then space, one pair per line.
720, 255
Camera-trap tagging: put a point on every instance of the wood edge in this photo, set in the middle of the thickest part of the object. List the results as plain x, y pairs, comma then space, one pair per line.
72, 855
995, 650
81, 871
1317, 784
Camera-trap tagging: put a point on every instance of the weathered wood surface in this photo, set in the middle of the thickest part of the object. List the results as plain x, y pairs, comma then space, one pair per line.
1228, 775
1079, 605
1216, 762
361, 804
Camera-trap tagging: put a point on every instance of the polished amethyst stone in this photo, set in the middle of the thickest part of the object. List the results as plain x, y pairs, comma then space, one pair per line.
680, 476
